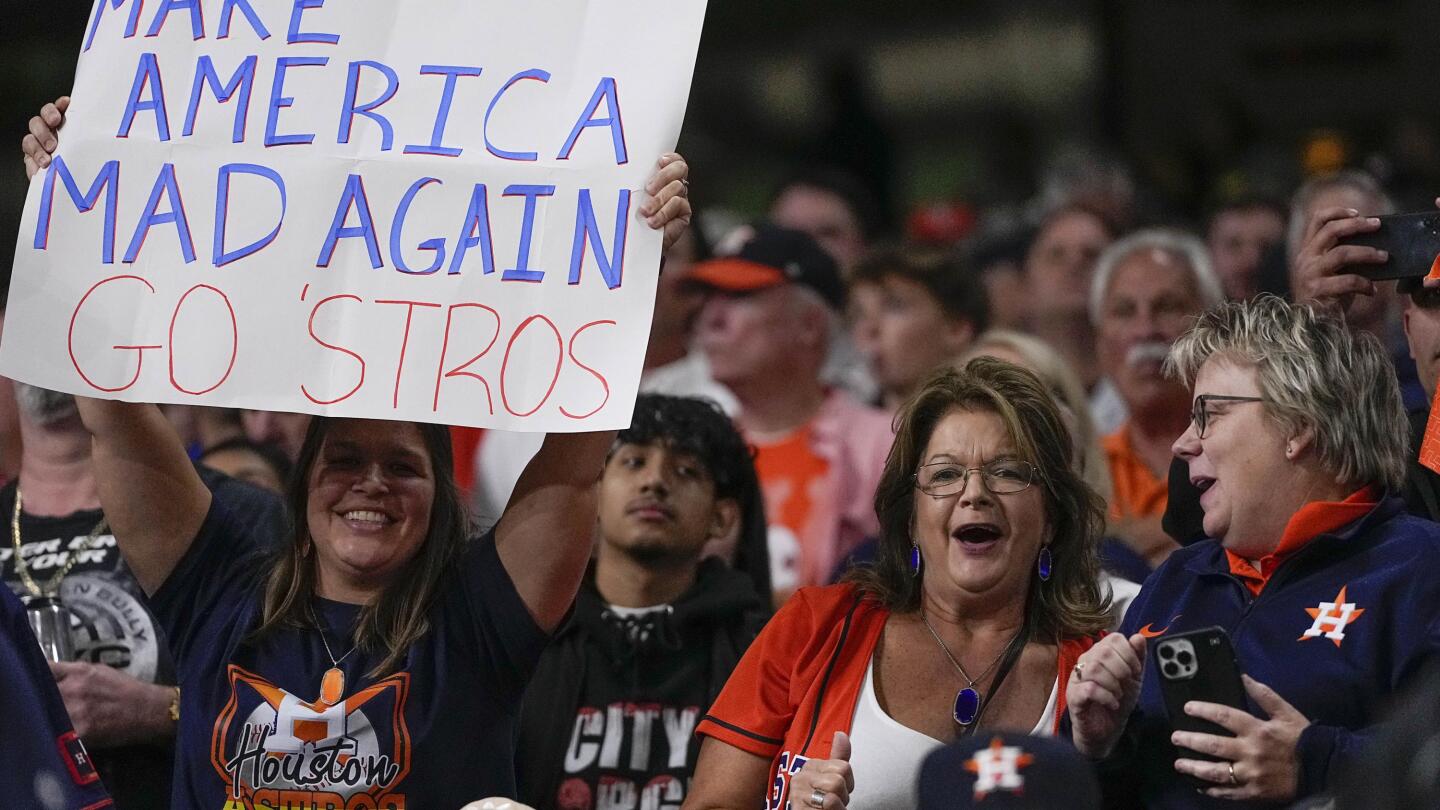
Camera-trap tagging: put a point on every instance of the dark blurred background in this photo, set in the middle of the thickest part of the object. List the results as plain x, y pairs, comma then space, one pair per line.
982, 103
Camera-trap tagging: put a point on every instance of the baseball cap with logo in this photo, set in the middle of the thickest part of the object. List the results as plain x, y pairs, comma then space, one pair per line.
773, 256
1006, 770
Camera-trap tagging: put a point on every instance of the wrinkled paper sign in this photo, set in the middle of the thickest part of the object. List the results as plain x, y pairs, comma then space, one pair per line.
399, 209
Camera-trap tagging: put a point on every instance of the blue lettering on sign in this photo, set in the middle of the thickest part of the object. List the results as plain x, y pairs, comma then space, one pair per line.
349, 110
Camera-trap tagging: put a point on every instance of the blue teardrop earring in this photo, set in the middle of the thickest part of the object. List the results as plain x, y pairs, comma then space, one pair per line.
915, 561
1043, 563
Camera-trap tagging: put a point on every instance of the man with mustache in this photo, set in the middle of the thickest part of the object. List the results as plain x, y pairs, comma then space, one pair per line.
610, 714
1147, 290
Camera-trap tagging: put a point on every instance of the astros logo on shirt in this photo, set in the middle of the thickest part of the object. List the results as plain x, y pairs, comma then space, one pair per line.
273, 749
1331, 619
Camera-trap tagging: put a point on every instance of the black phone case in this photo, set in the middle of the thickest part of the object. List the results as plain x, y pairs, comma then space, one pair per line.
1214, 677
1412, 240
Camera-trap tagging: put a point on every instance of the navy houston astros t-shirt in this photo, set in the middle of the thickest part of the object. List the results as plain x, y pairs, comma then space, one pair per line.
436, 733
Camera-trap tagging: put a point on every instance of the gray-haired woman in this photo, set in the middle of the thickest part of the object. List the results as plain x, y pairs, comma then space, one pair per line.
1314, 569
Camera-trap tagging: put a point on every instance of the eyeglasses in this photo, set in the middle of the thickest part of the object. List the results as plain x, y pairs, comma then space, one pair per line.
1200, 413
1001, 477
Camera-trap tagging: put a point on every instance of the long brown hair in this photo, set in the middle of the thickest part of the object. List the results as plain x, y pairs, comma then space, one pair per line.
400, 616
1069, 604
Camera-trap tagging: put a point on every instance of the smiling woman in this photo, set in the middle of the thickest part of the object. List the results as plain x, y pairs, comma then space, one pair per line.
982, 596
379, 500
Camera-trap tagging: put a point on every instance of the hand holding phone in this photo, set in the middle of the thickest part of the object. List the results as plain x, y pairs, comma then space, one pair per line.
1199, 665
1411, 242
1323, 270
1257, 749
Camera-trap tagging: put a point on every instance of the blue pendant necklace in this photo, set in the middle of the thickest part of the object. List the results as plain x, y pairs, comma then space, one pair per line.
968, 701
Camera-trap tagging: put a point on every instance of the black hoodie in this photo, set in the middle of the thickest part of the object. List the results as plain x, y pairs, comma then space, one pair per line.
611, 710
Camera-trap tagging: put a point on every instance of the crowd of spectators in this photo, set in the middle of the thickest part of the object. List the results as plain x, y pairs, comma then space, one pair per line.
864, 467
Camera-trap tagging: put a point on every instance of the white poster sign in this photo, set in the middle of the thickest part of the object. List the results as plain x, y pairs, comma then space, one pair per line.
400, 209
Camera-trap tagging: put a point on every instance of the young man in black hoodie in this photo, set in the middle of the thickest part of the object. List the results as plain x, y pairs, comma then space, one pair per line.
609, 718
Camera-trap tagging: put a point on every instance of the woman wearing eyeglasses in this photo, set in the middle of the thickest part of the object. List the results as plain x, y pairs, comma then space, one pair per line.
982, 597
1325, 586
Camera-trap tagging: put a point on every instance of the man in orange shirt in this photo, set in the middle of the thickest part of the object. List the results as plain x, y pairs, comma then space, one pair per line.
766, 329
1147, 290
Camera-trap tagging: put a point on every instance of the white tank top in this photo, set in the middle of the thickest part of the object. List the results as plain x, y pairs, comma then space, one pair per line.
885, 756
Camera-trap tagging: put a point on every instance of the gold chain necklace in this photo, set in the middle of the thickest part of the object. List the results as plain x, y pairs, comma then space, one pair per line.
51, 587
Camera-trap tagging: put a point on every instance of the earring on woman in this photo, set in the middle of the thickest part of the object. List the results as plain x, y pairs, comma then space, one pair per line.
915, 561
1044, 563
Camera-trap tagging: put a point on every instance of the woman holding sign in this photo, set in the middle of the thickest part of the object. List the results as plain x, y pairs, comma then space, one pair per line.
377, 657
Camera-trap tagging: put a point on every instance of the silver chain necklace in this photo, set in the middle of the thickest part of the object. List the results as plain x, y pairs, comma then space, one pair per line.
969, 700
332, 683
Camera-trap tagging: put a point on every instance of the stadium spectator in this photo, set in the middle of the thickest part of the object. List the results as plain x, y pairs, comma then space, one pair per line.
1148, 289
1329, 265
1241, 232
657, 627
47, 767
1058, 268
1297, 441
998, 256
263, 465
118, 681
844, 218
832, 207
1121, 569
1422, 333
377, 585
922, 310
767, 328
1367, 306
982, 596
285, 431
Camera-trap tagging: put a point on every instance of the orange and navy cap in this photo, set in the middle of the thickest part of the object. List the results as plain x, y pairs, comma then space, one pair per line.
771, 257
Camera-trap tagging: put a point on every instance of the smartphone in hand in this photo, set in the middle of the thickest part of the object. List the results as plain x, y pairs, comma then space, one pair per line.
1412, 240
1197, 665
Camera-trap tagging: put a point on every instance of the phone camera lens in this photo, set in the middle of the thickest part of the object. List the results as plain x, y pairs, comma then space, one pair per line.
1167, 652
1171, 671
1185, 658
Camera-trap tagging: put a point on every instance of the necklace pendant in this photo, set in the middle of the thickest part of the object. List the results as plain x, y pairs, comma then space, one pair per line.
967, 706
332, 686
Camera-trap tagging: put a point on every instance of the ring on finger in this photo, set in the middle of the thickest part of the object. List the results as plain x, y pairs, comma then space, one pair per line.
1233, 780
1079, 673
817, 798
